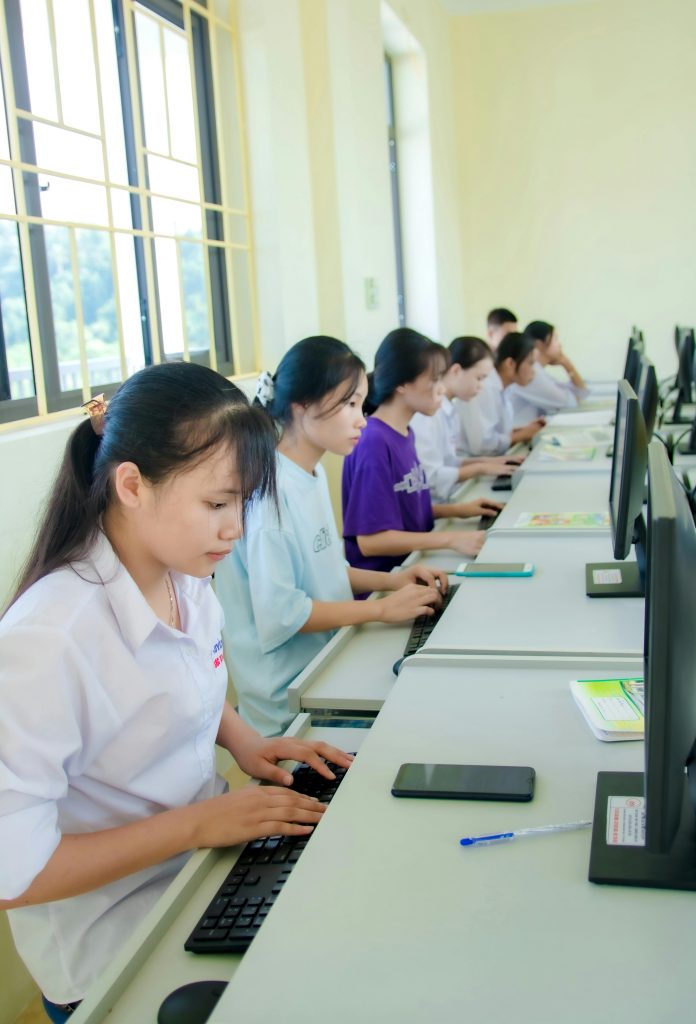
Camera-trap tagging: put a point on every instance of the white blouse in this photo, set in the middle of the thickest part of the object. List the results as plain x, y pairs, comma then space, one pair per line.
108, 717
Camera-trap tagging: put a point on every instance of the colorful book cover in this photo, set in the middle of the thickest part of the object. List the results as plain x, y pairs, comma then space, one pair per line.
614, 709
562, 521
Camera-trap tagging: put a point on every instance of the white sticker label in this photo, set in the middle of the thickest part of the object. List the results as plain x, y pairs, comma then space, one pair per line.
626, 821
603, 576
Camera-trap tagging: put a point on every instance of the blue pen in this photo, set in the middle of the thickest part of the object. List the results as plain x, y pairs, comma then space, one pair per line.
570, 826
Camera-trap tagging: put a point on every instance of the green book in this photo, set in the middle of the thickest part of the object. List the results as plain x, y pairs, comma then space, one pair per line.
613, 708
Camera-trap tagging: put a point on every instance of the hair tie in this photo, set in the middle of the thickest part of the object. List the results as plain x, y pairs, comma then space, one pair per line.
96, 410
265, 389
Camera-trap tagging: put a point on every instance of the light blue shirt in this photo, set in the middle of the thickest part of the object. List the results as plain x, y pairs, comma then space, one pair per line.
436, 439
266, 587
543, 395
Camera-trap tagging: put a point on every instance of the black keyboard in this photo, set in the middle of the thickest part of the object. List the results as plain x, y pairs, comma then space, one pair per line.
424, 625
485, 522
246, 897
502, 483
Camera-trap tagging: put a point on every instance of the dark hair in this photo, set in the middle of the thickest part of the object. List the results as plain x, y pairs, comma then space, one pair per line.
498, 317
468, 351
311, 369
539, 330
402, 356
164, 418
514, 345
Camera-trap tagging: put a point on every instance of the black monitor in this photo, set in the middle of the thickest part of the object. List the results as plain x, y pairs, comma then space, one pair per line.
648, 394
626, 489
683, 384
631, 371
668, 784
637, 339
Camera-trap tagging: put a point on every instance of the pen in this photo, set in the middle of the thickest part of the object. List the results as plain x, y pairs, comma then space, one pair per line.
539, 830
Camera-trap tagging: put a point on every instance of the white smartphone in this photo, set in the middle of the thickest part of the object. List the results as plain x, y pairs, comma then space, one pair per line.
495, 569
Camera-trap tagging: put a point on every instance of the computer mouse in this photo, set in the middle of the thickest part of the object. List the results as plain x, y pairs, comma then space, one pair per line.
192, 1003
396, 666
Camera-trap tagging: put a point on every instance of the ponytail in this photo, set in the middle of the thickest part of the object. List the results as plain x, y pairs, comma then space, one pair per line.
164, 418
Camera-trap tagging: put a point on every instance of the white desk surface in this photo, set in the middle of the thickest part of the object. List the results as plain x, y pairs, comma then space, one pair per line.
548, 613
387, 919
568, 493
154, 962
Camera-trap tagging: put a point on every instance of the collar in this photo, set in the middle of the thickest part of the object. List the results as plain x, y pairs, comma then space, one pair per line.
136, 619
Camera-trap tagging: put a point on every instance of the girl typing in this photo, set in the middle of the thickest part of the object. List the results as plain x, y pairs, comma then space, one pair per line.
112, 680
387, 507
286, 584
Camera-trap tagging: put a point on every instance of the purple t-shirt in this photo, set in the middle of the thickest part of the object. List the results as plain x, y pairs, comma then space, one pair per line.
384, 488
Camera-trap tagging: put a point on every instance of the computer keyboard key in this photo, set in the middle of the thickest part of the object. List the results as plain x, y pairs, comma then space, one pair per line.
252, 879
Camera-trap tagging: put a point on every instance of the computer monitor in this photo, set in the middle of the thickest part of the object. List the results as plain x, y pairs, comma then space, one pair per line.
632, 364
637, 339
648, 394
683, 384
626, 489
668, 785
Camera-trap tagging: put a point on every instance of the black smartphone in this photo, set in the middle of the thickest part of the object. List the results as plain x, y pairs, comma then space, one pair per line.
465, 781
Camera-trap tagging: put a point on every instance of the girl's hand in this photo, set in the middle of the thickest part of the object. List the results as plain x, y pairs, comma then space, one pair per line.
420, 573
465, 543
253, 812
482, 507
498, 468
408, 603
259, 758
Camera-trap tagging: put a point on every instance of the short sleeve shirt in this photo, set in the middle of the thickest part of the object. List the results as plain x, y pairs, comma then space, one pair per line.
288, 558
108, 717
384, 487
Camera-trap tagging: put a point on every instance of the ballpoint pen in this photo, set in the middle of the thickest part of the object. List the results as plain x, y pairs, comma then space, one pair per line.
539, 830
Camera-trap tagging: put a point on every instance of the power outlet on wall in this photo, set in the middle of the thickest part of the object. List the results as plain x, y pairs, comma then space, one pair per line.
371, 293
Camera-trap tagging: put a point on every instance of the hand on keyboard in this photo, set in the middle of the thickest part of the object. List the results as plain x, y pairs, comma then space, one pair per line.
251, 812
259, 757
408, 602
246, 897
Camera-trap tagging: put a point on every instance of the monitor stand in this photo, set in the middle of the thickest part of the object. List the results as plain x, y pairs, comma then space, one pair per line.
634, 865
620, 579
613, 579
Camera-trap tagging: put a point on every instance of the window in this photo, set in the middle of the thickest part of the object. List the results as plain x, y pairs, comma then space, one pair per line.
394, 178
124, 228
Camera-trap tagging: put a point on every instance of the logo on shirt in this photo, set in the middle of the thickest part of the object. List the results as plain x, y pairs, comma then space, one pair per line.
322, 540
217, 654
413, 482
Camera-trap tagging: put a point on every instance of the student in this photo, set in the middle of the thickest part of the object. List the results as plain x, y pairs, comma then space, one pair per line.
482, 409
112, 679
499, 322
387, 508
514, 364
438, 436
545, 393
286, 588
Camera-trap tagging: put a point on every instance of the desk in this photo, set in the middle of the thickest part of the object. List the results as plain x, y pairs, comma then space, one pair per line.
537, 493
548, 613
389, 920
153, 962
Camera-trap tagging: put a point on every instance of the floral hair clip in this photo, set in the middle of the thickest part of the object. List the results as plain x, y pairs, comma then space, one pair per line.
96, 410
265, 389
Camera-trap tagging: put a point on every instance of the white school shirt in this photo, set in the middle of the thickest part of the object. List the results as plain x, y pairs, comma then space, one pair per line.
267, 586
436, 441
108, 716
486, 421
543, 395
